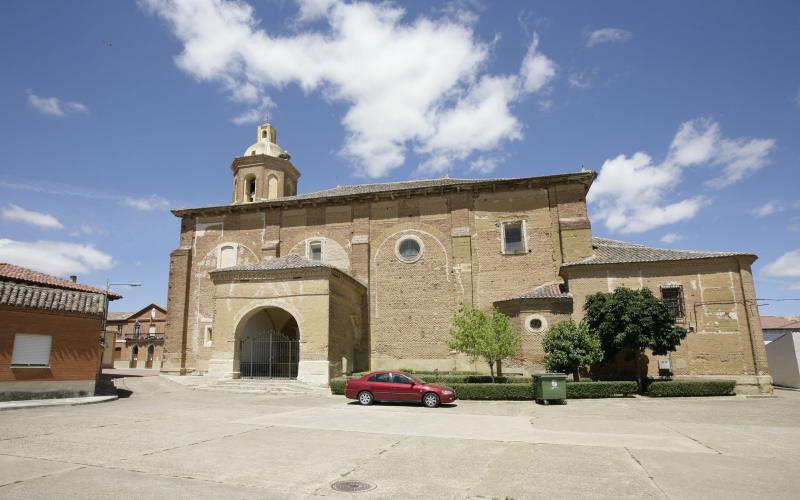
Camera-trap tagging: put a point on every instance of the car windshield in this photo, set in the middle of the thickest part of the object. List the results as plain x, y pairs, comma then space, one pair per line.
416, 379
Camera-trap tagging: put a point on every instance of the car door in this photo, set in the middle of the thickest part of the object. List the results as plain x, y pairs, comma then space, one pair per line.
379, 385
402, 388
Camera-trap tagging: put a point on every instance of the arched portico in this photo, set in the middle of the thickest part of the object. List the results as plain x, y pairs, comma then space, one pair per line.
267, 344
310, 312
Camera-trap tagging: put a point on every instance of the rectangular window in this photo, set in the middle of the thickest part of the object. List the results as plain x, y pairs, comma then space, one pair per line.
513, 237
673, 298
31, 351
315, 251
119, 331
137, 329
151, 330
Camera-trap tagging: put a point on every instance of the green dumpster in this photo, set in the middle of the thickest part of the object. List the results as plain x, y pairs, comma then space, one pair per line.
550, 387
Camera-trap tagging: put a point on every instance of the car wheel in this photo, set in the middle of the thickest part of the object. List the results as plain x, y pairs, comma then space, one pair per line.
365, 398
430, 400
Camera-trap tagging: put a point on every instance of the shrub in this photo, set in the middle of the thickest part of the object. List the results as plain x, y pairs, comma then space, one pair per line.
471, 379
337, 385
504, 392
690, 388
605, 389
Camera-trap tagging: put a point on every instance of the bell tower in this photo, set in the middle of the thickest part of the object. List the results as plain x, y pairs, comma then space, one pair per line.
264, 171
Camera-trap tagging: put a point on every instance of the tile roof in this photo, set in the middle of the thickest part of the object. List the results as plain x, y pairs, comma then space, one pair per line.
780, 323
119, 316
546, 291
276, 264
389, 187
52, 299
608, 251
10, 272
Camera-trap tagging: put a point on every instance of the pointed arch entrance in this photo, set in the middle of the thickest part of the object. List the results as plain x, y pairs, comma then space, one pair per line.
268, 344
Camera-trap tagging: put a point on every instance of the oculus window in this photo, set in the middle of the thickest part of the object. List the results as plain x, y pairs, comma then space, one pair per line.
409, 249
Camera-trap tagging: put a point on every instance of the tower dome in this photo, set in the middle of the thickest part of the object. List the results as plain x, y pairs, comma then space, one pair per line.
265, 171
267, 144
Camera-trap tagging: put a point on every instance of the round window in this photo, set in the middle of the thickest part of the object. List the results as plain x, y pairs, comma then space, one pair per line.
535, 323
409, 249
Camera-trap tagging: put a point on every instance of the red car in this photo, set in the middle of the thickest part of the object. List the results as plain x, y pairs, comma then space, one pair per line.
397, 386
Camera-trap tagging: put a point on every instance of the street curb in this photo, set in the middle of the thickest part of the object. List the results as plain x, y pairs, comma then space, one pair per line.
40, 403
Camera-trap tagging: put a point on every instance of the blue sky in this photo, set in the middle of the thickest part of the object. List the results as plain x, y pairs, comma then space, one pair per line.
113, 112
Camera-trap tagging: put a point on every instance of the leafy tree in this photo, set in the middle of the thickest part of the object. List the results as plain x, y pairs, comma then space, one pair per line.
487, 336
568, 346
631, 321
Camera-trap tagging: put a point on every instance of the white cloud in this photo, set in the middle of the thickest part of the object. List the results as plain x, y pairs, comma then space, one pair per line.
785, 266
18, 214
767, 208
142, 203
629, 194
154, 202
484, 165
87, 230
407, 84
54, 257
53, 106
579, 81
607, 35
537, 69
671, 237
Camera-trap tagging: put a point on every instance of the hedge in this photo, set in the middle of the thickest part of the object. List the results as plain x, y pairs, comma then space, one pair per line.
690, 387
604, 389
472, 379
505, 392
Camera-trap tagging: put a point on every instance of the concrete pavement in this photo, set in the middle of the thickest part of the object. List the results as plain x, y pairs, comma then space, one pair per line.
167, 441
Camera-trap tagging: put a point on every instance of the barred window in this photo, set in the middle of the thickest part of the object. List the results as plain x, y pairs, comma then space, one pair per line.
673, 298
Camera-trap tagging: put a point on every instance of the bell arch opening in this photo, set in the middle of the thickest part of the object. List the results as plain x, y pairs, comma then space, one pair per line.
268, 344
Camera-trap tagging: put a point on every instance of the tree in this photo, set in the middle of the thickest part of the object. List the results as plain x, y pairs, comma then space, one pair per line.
631, 321
487, 336
568, 346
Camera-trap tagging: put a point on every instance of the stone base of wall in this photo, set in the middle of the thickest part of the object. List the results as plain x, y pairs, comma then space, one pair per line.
749, 385
220, 368
313, 372
46, 389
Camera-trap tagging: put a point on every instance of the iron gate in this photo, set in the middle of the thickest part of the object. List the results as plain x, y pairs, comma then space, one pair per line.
269, 356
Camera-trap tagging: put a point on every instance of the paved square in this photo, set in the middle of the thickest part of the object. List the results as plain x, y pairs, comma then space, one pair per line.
167, 441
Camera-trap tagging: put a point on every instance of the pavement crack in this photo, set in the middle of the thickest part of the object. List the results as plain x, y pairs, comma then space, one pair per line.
647, 472
194, 443
42, 476
687, 436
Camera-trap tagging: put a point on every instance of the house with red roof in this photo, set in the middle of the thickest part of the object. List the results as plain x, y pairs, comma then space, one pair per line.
50, 331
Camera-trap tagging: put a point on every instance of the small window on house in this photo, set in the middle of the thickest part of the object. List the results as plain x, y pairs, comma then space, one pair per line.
513, 241
535, 323
227, 256
151, 330
31, 351
315, 251
673, 298
137, 329
119, 331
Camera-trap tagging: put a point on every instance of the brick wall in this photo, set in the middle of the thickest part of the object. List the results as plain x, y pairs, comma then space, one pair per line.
75, 352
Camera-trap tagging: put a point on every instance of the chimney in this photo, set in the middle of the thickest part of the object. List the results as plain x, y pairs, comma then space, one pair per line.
73, 278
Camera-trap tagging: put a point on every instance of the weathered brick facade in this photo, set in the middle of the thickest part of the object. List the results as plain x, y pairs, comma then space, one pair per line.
408, 304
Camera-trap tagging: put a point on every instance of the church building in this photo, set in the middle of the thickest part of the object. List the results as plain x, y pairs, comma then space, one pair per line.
368, 276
